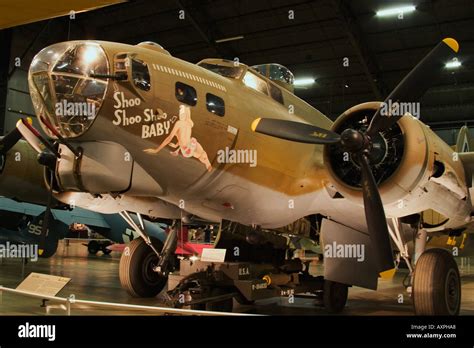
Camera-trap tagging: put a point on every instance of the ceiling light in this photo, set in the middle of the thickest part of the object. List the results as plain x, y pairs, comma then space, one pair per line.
395, 11
227, 39
453, 64
305, 81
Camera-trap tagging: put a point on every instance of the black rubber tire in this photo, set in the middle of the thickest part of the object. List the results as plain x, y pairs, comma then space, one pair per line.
220, 306
106, 251
103, 247
93, 247
436, 284
135, 270
334, 296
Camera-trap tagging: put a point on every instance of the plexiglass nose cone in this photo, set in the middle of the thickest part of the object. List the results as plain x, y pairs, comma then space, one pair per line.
62, 88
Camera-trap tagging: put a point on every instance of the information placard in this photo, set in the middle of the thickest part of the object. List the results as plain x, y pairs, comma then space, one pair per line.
43, 284
213, 255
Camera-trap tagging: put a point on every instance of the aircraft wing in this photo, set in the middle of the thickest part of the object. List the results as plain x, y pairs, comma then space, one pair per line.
67, 217
23, 208
86, 217
18, 12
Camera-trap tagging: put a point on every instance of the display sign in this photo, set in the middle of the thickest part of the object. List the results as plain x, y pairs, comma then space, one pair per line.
43, 284
213, 255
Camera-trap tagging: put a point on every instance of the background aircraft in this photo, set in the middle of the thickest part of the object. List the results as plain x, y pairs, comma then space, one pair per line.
21, 223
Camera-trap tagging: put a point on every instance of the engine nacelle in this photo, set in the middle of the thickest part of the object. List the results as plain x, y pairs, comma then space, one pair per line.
415, 169
21, 176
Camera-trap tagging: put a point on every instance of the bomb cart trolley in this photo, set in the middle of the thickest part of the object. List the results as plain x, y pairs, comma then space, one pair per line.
213, 286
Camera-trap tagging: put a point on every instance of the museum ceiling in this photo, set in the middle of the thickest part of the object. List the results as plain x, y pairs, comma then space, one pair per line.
353, 54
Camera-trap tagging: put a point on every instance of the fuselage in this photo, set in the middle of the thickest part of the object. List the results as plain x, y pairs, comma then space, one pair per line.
254, 179
187, 130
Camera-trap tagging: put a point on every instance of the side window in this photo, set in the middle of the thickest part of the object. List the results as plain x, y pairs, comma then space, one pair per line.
253, 81
186, 94
215, 104
276, 93
121, 62
140, 74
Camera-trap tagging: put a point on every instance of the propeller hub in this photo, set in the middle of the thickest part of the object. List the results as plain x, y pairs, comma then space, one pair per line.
354, 141
48, 159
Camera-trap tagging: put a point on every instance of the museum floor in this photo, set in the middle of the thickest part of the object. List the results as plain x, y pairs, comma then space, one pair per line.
96, 278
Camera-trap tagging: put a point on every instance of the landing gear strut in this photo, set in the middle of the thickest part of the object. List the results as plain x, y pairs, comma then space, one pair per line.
435, 280
146, 263
165, 258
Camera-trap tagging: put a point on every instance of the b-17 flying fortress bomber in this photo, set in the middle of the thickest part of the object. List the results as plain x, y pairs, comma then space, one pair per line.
238, 183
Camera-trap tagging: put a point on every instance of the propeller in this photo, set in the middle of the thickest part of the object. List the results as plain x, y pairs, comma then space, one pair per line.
6, 143
9, 140
34, 137
24, 128
359, 143
416, 83
46, 157
295, 131
47, 216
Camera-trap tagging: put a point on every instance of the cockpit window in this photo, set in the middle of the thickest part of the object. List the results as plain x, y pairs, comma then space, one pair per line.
253, 81
140, 74
226, 71
276, 94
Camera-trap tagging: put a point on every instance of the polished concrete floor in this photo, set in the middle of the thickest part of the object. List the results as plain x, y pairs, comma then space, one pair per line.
95, 277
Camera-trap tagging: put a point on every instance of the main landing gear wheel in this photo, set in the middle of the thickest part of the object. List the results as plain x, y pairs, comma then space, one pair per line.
136, 271
106, 251
93, 247
334, 296
436, 284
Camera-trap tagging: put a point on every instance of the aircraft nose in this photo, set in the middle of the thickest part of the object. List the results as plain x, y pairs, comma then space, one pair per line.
64, 86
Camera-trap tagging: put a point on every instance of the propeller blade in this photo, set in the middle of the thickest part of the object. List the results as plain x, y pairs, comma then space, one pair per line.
415, 84
294, 131
47, 216
34, 138
375, 217
9, 140
30, 136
